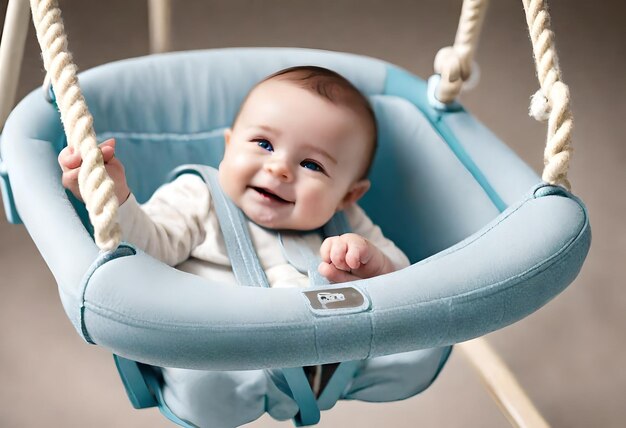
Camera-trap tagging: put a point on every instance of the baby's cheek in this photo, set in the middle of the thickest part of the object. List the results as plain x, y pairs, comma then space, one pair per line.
315, 204
236, 160
319, 197
235, 167
230, 180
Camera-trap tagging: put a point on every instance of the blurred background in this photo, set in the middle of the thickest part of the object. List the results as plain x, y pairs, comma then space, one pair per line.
568, 355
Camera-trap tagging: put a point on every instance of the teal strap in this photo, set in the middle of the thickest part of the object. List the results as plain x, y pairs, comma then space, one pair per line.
144, 388
138, 392
337, 384
7, 196
309, 413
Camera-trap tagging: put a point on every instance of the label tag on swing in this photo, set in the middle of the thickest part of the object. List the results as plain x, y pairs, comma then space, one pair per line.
336, 300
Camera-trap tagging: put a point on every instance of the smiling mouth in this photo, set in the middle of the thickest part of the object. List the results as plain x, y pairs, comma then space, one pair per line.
268, 194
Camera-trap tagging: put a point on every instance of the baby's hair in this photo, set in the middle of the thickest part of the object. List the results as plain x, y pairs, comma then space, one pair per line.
335, 88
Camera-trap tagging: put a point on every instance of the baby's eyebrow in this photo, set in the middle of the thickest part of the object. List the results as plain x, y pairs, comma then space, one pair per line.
266, 128
320, 151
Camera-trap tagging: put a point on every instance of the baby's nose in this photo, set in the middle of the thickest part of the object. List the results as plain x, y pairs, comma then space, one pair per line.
279, 169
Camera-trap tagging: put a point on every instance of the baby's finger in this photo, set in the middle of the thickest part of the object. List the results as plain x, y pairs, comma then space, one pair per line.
335, 275
325, 248
69, 159
338, 255
108, 149
70, 177
69, 180
108, 153
107, 143
357, 253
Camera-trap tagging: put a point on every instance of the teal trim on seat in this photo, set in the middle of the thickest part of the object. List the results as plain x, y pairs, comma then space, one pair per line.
7, 196
402, 84
137, 390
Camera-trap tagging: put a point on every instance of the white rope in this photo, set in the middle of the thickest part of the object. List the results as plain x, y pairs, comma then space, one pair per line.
454, 63
552, 101
96, 187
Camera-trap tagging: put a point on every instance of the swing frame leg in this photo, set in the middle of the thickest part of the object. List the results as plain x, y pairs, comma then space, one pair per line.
14, 34
160, 17
501, 384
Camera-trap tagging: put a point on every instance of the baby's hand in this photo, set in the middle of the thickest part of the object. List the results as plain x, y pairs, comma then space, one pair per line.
70, 162
349, 257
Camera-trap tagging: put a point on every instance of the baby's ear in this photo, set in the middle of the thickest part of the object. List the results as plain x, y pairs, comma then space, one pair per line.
227, 133
355, 192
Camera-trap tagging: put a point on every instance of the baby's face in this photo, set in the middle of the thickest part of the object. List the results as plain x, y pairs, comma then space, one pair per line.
293, 158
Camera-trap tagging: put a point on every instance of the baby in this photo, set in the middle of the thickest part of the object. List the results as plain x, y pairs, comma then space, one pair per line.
298, 151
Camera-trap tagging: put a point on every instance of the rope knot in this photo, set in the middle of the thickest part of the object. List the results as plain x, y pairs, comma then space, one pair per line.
450, 65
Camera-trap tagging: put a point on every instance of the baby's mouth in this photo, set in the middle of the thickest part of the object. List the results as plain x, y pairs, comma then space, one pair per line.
268, 194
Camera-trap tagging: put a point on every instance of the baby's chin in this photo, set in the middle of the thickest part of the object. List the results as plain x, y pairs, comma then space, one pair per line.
279, 222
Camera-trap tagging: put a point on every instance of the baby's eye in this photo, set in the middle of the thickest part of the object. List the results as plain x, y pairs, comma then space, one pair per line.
265, 144
314, 166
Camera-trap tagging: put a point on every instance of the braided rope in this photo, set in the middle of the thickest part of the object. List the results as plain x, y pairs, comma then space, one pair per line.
552, 101
96, 187
454, 63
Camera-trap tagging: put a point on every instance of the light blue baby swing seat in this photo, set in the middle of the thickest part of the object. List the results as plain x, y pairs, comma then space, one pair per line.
489, 242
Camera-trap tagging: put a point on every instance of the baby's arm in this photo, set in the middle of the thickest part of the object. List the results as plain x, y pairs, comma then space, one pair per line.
71, 162
168, 226
171, 224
